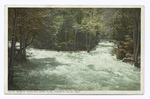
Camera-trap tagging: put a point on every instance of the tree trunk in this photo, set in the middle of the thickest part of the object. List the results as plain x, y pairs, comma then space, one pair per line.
41, 43
89, 47
24, 47
137, 64
135, 37
21, 43
66, 38
75, 40
90, 34
11, 61
86, 42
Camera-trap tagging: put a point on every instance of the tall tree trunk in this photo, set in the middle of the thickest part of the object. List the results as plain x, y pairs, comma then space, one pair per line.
136, 63
89, 48
66, 38
86, 42
138, 40
21, 42
11, 61
19, 55
135, 32
24, 47
41, 43
75, 40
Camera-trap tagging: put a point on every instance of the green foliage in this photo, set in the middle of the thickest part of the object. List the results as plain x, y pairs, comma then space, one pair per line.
68, 21
124, 47
126, 27
92, 21
29, 19
122, 24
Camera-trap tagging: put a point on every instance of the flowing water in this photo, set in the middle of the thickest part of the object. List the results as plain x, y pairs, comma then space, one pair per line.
97, 70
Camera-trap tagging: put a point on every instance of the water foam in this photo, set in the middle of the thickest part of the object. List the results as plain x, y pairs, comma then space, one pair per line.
97, 70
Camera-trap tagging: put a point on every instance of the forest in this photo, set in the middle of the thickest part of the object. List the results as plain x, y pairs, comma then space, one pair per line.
72, 30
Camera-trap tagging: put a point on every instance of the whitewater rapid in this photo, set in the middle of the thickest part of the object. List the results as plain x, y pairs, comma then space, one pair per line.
96, 70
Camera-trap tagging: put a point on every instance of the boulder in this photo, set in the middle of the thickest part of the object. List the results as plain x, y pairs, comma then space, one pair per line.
128, 60
128, 55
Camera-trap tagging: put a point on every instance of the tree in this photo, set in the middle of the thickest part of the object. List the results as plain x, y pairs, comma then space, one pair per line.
136, 35
121, 22
92, 24
66, 27
13, 20
16, 17
127, 22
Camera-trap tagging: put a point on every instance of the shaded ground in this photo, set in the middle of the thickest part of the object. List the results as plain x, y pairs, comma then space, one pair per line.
24, 81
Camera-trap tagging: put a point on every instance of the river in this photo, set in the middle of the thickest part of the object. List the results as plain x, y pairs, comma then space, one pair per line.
97, 70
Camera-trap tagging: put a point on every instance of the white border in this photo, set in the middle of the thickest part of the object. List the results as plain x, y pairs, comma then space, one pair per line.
74, 92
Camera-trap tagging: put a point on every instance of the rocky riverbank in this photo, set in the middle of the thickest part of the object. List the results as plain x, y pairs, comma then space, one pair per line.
128, 57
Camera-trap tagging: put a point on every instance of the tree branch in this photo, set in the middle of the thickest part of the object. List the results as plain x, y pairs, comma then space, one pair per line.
27, 36
11, 16
30, 42
21, 11
10, 24
24, 17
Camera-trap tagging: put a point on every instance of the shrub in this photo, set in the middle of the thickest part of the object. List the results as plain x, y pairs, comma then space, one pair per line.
124, 47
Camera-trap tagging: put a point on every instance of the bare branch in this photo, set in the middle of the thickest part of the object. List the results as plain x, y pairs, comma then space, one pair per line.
11, 16
21, 11
10, 24
24, 17
27, 36
30, 42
